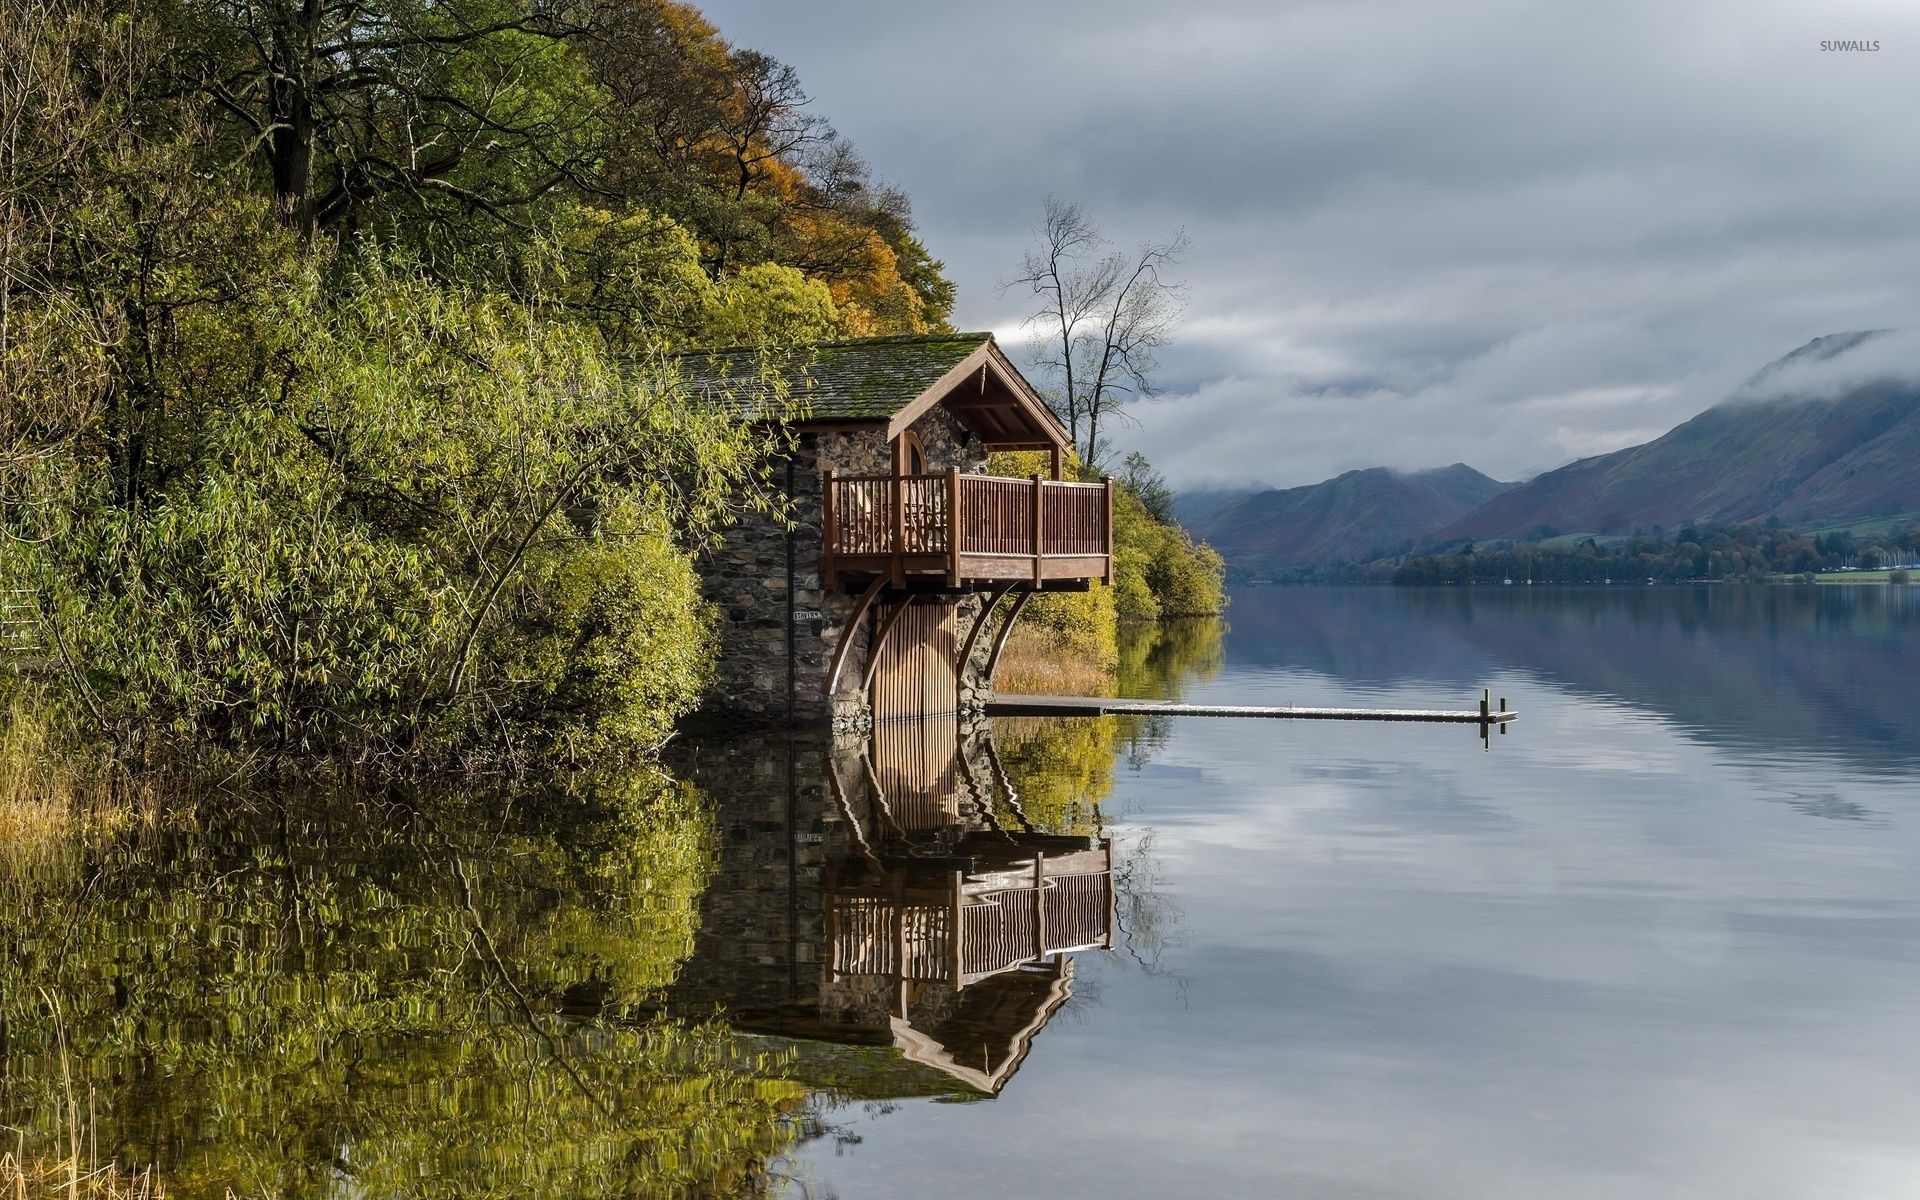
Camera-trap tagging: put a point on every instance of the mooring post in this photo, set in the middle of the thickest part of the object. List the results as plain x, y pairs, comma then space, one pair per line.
1503, 710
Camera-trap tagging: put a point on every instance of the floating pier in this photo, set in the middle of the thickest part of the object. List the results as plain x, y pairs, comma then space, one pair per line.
1102, 706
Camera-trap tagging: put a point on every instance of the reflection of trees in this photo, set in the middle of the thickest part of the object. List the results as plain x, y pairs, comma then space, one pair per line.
1149, 918
333, 995
1063, 768
1159, 661
1060, 770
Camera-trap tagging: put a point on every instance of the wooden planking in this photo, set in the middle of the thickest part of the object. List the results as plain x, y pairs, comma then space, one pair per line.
1020, 567
916, 767
914, 676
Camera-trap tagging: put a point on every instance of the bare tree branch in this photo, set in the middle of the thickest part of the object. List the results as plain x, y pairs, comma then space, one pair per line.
1101, 318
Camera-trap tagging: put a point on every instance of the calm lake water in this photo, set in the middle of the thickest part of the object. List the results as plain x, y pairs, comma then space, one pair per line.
1660, 939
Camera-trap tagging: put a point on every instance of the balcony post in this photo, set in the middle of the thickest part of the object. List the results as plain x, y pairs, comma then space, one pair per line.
953, 527
1039, 904
829, 572
1107, 482
1059, 463
897, 501
957, 964
1039, 506
898, 910
1106, 879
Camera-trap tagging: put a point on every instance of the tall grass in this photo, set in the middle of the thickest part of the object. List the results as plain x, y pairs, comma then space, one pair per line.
55, 792
1039, 661
72, 1170
74, 1176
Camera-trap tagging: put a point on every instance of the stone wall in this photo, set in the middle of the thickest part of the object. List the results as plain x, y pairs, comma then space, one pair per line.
746, 579
762, 929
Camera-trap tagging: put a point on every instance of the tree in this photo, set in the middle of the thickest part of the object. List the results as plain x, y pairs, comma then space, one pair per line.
1150, 485
1102, 319
54, 126
454, 105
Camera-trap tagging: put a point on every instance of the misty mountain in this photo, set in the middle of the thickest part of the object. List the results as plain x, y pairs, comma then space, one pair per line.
1192, 506
1816, 456
1351, 518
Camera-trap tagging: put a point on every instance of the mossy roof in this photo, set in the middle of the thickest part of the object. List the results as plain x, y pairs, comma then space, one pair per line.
869, 379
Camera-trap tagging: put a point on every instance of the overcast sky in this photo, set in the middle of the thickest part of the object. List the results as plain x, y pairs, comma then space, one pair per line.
1499, 233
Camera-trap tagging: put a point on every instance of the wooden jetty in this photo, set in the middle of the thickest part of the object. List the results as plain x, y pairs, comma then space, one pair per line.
1101, 706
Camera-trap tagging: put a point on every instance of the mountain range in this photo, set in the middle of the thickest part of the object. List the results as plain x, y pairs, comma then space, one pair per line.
1354, 517
1767, 452
1804, 460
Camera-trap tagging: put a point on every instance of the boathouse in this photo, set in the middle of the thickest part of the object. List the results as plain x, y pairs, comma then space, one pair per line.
890, 592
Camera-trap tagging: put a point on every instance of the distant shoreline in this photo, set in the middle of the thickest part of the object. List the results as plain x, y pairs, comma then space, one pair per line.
1860, 578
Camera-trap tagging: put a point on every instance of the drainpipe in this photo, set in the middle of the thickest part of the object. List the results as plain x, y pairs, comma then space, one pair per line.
793, 666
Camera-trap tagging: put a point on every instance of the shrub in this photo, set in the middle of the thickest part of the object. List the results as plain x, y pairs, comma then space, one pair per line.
611, 642
406, 515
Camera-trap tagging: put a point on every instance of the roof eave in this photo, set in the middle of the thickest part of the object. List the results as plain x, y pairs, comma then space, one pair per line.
989, 358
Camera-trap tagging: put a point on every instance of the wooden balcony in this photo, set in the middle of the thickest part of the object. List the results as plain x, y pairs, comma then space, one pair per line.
959, 529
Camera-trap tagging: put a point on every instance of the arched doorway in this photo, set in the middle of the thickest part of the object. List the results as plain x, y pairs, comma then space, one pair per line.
913, 455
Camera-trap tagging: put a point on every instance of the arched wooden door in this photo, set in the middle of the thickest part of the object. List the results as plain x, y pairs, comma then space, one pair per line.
915, 677
913, 459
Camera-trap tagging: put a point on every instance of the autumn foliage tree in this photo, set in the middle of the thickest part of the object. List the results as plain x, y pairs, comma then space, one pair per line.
335, 412
459, 127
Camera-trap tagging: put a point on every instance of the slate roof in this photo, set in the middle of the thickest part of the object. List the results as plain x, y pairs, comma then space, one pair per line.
869, 379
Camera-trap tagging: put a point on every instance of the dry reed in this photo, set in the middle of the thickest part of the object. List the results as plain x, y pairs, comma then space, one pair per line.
72, 1179
73, 1171
53, 795
1036, 662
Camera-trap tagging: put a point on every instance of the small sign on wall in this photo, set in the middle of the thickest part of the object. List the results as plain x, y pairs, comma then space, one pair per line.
802, 615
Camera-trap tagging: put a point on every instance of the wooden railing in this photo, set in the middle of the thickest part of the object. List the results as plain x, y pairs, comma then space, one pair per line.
954, 517
1078, 911
1004, 928
1051, 906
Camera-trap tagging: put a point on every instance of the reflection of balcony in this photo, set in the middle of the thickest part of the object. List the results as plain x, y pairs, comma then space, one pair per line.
959, 925
958, 528
958, 922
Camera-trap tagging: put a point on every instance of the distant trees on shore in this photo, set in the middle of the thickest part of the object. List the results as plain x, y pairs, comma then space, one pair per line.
1732, 552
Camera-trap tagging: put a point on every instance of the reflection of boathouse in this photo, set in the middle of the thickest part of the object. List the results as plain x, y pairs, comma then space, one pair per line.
908, 906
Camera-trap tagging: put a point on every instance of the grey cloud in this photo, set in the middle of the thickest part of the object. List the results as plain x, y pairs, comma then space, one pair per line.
1508, 234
